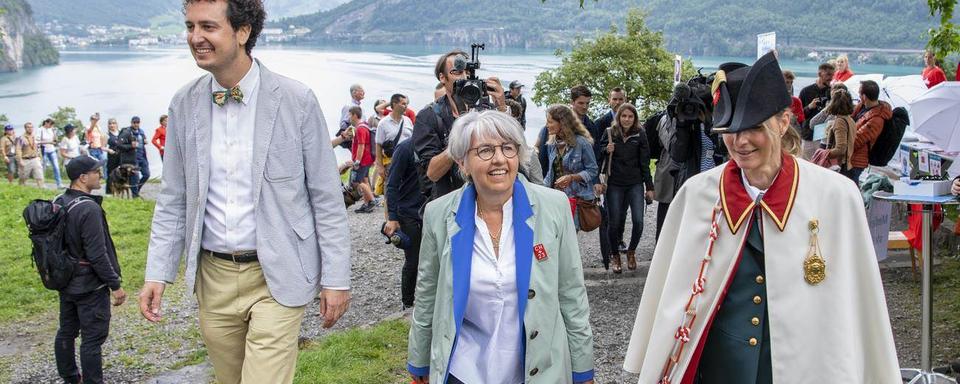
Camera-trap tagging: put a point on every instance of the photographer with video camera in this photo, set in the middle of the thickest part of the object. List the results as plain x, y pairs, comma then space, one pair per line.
694, 148
463, 92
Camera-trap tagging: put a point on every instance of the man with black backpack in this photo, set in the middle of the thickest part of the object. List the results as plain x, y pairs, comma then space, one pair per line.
85, 301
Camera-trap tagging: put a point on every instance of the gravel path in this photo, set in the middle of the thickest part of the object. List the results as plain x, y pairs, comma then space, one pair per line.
376, 296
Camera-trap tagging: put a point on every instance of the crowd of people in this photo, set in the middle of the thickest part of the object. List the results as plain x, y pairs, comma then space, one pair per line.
488, 222
36, 151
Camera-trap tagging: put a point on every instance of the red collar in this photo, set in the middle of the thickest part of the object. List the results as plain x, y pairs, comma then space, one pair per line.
777, 201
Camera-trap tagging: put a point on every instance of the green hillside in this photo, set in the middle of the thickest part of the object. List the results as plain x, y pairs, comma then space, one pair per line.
102, 12
698, 27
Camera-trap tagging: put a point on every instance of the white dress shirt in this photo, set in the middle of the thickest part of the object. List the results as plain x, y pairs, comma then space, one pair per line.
488, 349
229, 221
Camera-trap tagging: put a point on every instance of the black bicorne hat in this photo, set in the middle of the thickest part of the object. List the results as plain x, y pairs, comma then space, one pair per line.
745, 96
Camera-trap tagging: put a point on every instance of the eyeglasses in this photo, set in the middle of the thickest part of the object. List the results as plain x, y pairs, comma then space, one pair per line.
486, 152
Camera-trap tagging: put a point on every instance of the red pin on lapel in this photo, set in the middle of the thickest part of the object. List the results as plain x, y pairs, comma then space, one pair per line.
540, 252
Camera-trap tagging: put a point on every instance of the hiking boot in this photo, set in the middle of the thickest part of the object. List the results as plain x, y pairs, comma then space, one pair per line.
632, 260
617, 268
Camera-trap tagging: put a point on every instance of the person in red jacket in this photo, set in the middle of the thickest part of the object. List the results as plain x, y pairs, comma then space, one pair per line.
843, 72
160, 135
796, 106
932, 74
869, 114
958, 71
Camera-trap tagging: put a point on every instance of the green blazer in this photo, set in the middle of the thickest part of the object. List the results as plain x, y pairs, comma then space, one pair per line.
552, 300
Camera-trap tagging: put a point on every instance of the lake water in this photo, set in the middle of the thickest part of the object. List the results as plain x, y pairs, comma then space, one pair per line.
122, 83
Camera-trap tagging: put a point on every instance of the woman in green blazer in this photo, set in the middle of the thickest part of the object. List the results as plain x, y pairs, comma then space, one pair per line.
500, 295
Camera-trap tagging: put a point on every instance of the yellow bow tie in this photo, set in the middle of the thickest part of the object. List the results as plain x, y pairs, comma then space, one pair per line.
220, 97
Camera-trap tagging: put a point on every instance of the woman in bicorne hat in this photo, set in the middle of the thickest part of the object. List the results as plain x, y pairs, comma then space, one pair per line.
765, 270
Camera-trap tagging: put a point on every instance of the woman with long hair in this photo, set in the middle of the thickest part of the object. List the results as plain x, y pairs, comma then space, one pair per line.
572, 167
113, 157
841, 132
626, 162
716, 309
843, 72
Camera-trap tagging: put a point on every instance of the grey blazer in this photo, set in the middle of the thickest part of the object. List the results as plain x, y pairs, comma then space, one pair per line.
303, 240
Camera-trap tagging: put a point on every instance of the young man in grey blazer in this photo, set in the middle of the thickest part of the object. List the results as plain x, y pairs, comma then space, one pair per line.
247, 199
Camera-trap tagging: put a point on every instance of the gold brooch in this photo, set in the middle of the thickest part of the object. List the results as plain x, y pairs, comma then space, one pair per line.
814, 266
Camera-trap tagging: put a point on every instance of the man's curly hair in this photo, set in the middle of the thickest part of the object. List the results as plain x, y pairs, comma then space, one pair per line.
240, 13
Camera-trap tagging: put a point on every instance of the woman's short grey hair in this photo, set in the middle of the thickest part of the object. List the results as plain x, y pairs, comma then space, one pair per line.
490, 124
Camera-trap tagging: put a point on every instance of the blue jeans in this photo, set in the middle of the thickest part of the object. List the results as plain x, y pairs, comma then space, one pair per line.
100, 155
618, 199
140, 178
853, 174
51, 157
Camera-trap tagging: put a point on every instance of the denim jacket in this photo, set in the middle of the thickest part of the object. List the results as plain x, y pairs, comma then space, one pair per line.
579, 160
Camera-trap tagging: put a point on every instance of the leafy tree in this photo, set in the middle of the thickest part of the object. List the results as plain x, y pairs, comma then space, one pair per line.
944, 39
4, 119
636, 61
64, 116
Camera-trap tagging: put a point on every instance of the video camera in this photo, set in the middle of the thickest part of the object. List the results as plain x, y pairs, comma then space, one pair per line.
692, 101
472, 91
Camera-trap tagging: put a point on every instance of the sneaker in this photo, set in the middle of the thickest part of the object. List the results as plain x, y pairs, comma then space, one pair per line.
365, 208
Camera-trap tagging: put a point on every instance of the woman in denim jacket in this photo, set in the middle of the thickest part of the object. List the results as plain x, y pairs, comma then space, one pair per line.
572, 166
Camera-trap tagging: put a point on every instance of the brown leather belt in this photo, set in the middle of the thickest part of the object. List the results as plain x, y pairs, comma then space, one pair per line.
236, 257
28, 158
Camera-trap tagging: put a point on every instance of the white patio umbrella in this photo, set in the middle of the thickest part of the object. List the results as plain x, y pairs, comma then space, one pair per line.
853, 84
936, 115
900, 91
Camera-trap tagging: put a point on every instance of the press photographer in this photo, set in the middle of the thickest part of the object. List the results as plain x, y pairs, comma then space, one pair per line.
694, 148
463, 91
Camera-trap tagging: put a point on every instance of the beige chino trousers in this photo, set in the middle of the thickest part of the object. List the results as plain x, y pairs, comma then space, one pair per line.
250, 338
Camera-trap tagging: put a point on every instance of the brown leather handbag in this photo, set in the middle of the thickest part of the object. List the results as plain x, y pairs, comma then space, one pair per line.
588, 212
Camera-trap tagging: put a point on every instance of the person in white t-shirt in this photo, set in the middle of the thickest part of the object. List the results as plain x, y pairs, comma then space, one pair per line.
387, 137
69, 144
47, 138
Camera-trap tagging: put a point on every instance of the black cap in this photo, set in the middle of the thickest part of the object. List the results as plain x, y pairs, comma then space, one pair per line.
82, 164
69, 127
745, 96
135, 119
516, 84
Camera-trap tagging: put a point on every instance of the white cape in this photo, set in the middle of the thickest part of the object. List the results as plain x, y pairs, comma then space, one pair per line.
835, 331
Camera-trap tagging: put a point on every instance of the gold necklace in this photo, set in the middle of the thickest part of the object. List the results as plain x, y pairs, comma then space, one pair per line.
495, 239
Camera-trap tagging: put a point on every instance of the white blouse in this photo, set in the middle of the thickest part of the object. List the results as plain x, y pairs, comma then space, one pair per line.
488, 349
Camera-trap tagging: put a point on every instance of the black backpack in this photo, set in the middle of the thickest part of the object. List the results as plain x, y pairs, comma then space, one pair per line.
888, 141
46, 221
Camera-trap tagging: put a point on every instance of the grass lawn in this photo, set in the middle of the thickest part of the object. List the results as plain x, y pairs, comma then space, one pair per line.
369, 355
373, 355
946, 284
21, 294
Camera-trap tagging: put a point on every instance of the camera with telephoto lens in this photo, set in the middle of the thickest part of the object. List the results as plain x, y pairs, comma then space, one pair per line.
692, 101
472, 91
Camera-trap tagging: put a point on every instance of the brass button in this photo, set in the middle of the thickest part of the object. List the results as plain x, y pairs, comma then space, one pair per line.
759, 279
757, 300
534, 335
534, 371
531, 294
752, 341
755, 321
